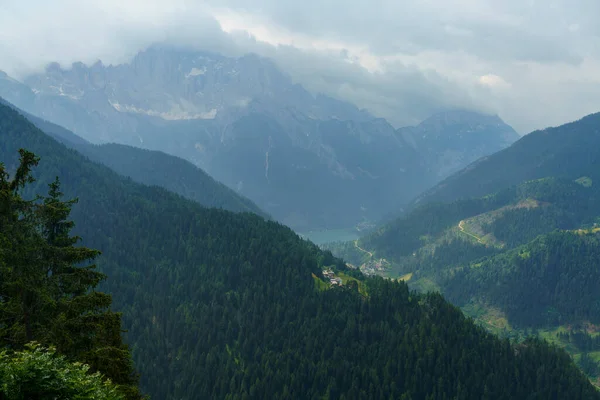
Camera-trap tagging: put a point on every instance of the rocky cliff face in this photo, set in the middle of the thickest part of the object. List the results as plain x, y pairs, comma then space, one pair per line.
309, 160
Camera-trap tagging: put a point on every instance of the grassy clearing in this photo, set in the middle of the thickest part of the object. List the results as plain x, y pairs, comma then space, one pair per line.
595, 356
524, 255
362, 287
493, 319
584, 181
550, 335
425, 285
406, 277
319, 284
587, 231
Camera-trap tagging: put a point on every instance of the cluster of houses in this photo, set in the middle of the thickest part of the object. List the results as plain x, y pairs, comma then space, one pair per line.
375, 267
334, 280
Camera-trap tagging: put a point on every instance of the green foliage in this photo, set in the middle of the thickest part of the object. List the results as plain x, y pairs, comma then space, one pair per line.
514, 218
585, 181
39, 373
590, 366
536, 274
46, 292
555, 283
172, 173
405, 235
569, 151
223, 305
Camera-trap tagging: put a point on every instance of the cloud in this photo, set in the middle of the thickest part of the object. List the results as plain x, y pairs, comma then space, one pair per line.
535, 63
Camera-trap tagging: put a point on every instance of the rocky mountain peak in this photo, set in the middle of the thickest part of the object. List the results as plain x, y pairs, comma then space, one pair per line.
249, 125
463, 122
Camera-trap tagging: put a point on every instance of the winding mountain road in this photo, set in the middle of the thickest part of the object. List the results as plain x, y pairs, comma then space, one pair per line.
361, 249
462, 229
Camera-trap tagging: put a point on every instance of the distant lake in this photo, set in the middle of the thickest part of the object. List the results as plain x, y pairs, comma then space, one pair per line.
331, 235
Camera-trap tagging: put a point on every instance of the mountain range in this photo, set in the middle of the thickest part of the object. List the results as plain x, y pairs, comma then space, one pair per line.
152, 168
310, 161
512, 239
218, 304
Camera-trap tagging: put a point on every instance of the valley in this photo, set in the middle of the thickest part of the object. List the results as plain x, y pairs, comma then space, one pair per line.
321, 201
521, 260
331, 235
203, 289
310, 161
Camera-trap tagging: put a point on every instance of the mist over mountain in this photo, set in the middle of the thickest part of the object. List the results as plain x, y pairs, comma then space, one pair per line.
211, 298
299, 200
308, 160
451, 140
569, 150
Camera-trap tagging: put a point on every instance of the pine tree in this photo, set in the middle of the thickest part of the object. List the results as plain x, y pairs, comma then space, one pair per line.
20, 284
47, 292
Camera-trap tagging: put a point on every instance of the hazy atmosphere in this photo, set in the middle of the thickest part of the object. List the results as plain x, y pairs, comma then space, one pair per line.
307, 199
534, 63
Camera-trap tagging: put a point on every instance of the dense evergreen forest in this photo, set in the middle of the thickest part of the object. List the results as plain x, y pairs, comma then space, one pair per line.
513, 216
224, 305
526, 254
172, 173
553, 280
48, 296
151, 168
534, 260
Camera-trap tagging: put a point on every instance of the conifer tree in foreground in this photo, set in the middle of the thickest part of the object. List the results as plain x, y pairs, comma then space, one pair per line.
47, 292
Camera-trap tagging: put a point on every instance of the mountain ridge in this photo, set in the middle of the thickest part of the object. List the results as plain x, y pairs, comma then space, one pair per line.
151, 168
309, 160
217, 303
528, 158
511, 239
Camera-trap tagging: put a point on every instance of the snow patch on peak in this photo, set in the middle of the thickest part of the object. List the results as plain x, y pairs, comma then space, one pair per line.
61, 92
195, 72
173, 115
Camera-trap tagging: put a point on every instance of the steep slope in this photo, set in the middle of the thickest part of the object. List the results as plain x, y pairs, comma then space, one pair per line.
535, 284
152, 168
548, 286
487, 254
220, 304
352, 171
506, 219
451, 140
61, 134
557, 168
310, 161
565, 151
172, 173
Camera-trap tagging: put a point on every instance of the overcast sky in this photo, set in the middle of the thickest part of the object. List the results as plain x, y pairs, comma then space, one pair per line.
536, 63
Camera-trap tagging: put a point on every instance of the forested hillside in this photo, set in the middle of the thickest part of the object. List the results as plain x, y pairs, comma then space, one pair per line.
546, 180
48, 296
225, 305
506, 219
525, 258
151, 168
547, 287
520, 259
551, 281
170, 172
564, 151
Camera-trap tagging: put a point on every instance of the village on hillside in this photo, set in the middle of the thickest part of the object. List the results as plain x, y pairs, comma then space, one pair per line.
333, 280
